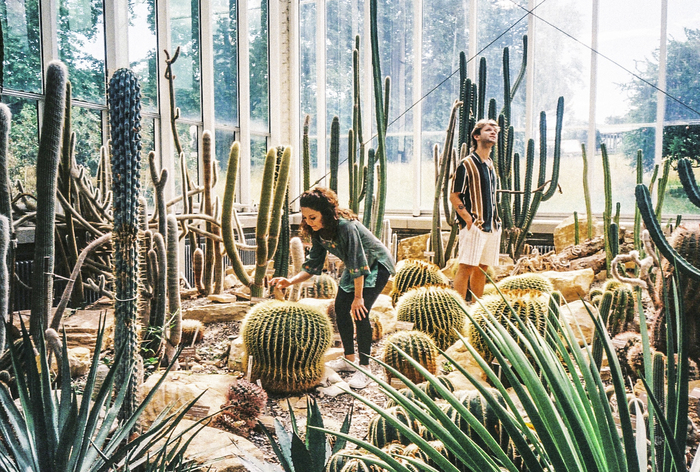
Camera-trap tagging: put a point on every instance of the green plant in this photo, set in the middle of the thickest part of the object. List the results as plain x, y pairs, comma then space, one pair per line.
436, 311
412, 273
245, 402
478, 406
322, 286
334, 156
4, 277
269, 215
525, 283
295, 454
125, 123
173, 285
57, 431
47, 173
532, 306
382, 431
685, 173
286, 341
623, 307
418, 345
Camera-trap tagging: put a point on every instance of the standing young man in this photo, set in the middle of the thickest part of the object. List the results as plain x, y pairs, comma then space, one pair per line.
473, 197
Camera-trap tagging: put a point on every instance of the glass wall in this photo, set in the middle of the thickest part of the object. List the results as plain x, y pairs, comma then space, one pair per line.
143, 45
22, 38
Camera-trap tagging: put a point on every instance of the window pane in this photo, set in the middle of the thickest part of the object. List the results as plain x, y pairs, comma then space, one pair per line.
24, 142
81, 46
189, 139
445, 34
258, 152
142, 50
225, 23
259, 78
87, 126
307, 82
185, 34
224, 139
22, 38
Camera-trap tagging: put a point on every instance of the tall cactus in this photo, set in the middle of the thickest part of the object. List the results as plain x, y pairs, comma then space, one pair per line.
685, 172
269, 215
335, 153
173, 282
211, 249
47, 174
5, 193
4, 277
124, 98
306, 155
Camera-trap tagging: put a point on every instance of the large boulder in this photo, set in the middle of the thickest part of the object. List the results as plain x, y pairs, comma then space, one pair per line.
217, 312
459, 353
386, 312
181, 387
412, 248
576, 313
564, 233
82, 325
572, 284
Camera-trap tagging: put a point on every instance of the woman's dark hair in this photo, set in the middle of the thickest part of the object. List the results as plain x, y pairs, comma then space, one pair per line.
324, 201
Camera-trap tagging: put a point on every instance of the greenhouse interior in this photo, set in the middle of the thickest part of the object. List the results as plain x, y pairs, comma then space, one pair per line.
349, 235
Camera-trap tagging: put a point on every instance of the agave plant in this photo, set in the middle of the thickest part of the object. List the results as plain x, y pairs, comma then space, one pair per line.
300, 455
55, 430
568, 422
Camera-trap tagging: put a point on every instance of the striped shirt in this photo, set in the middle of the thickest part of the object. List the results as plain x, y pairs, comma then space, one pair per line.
476, 183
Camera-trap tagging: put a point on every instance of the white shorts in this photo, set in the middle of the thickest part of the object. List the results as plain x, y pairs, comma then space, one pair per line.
477, 247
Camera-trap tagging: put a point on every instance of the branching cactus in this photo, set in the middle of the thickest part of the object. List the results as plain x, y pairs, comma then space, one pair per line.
685, 172
269, 215
47, 174
211, 250
287, 342
125, 123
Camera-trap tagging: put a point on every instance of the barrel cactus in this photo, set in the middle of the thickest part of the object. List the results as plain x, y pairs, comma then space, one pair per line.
377, 327
245, 402
287, 342
338, 460
418, 346
623, 307
437, 311
479, 407
526, 282
527, 305
381, 432
322, 286
415, 273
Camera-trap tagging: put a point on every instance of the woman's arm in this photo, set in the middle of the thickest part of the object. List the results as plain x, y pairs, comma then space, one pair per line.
358, 309
283, 282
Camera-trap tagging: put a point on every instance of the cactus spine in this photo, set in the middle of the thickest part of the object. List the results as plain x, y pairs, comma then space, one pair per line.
47, 174
435, 311
418, 346
287, 342
125, 123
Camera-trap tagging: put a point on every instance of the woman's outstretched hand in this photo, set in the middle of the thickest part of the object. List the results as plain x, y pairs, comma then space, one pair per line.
280, 282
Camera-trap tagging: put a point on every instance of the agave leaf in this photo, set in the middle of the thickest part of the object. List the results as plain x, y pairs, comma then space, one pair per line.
64, 409
283, 449
301, 458
677, 455
15, 432
316, 443
344, 428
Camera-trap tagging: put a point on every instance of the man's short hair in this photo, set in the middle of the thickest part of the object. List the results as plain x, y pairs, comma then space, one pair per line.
477, 130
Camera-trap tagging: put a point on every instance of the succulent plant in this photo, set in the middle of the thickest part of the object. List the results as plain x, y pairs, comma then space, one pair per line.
475, 402
192, 332
338, 460
436, 311
418, 345
323, 286
412, 273
377, 327
381, 432
245, 402
532, 306
287, 342
623, 307
526, 282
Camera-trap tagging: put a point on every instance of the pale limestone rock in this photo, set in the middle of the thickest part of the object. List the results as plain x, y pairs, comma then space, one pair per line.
222, 298
230, 281
81, 328
386, 312
182, 387
80, 360
572, 284
412, 248
459, 353
450, 268
217, 312
211, 444
236, 355
575, 312
564, 232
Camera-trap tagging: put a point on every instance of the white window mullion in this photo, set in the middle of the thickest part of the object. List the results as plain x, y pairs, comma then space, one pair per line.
116, 18
593, 91
660, 95
295, 93
473, 40
207, 65
418, 107
530, 83
321, 86
49, 31
244, 94
275, 72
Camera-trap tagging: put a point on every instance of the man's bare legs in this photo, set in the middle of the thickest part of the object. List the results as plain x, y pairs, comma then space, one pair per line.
470, 277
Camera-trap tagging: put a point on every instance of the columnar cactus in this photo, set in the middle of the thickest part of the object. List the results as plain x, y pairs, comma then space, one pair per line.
334, 154
415, 273
125, 124
418, 346
5, 193
623, 306
436, 311
212, 246
287, 342
527, 305
296, 249
173, 284
47, 174
4, 277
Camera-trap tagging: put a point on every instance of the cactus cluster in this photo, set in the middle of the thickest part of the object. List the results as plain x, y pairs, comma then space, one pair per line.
418, 346
426, 387
620, 316
412, 273
245, 402
287, 342
532, 306
192, 332
377, 327
437, 311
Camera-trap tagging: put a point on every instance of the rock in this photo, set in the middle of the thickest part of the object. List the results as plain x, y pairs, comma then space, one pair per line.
81, 328
334, 390
236, 355
332, 354
182, 387
575, 312
217, 312
459, 353
80, 360
412, 248
572, 284
318, 304
386, 313
504, 268
230, 281
564, 232
212, 444
222, 298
